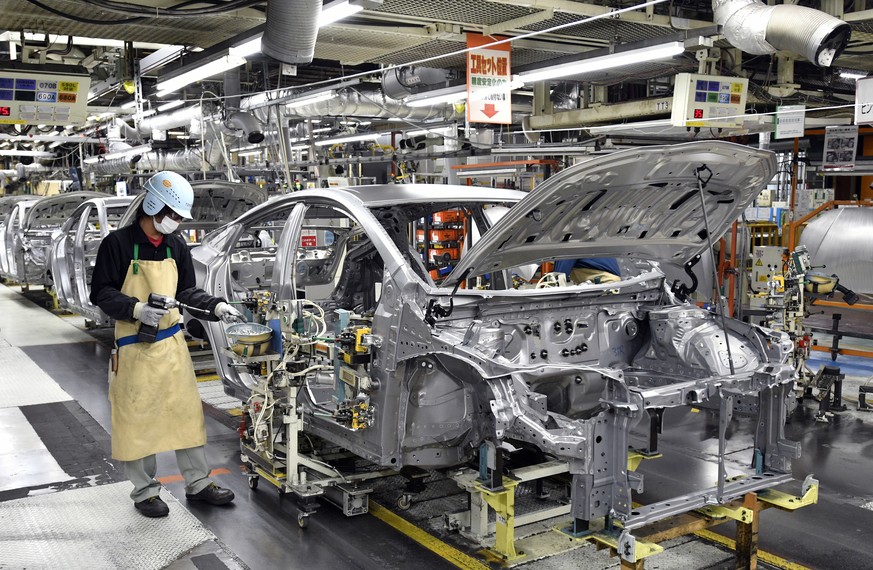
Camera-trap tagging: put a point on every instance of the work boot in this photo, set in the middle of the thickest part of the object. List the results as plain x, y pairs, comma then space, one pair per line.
153, 507
212, 494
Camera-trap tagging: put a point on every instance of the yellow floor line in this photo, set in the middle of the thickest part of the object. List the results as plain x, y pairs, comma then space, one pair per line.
767, 557
208, 377
426, 539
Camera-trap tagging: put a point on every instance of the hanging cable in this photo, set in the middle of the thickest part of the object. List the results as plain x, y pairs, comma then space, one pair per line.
82, 20
701, 184
152, 11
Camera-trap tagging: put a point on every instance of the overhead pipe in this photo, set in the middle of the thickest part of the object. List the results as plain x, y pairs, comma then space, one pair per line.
291, 30
182, 117
400, 82
760, 29
127, 132
372, 104
248, 124
190, 159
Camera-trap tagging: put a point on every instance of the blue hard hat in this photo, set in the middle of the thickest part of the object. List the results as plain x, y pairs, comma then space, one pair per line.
168, 189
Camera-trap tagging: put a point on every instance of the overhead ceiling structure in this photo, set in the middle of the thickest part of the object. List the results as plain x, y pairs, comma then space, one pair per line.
381, 33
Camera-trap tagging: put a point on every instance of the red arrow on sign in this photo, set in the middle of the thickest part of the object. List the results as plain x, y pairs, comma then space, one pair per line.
489, 110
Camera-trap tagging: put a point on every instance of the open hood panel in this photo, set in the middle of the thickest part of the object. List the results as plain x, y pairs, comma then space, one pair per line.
641, 203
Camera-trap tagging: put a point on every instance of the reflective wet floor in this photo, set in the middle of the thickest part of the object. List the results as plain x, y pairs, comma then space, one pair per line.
66, 395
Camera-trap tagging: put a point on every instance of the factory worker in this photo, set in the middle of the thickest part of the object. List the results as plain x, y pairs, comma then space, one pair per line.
153, 391
595, 269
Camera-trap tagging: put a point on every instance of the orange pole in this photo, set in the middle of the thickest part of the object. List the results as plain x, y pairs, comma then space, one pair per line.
843, 351
858, 306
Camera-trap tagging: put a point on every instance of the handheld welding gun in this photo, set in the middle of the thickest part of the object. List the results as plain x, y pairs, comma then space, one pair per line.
149, 333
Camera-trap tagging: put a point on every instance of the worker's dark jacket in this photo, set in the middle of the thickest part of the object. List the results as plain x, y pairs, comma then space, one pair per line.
114, 257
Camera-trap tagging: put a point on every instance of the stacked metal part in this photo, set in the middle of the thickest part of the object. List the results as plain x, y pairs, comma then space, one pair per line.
840, 240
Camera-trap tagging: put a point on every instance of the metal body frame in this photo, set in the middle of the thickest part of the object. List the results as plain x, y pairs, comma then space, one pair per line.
74, 252
28, 243
13, 210
577, 373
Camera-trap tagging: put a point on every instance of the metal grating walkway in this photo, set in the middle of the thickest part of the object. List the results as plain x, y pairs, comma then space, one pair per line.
96, 527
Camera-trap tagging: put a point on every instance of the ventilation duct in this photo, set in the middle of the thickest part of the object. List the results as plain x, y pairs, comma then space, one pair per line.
372, 105
759, 29
22, 170
190, 159
291, 30
163, 122
401, 82
247, 125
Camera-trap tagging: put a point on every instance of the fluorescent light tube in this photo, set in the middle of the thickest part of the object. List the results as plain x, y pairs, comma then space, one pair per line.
249, 147
299, 148
129, 105
610, 61
199, 72
853, 75
438, 96
248, 48
322, 130
61, 40
352, 138
144, 114
474, 173
170, 105
336, 11
303, 101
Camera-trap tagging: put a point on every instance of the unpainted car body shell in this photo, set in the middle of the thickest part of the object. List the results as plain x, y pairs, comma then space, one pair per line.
573, 372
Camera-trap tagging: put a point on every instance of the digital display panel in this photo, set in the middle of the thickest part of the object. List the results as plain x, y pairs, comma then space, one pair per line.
49, 95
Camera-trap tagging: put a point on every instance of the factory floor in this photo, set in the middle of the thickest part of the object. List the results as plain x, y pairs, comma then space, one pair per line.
63, 503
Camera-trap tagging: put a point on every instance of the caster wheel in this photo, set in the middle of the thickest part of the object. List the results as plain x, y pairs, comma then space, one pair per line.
302, 520
404, 502
253, 483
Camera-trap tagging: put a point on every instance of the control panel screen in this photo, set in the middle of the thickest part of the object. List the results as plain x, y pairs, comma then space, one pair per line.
708, 101
42, 98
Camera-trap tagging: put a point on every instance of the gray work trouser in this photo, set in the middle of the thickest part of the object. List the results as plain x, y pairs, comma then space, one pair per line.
191, 462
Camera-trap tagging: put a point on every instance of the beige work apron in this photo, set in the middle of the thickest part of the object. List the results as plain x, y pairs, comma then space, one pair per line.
155, 403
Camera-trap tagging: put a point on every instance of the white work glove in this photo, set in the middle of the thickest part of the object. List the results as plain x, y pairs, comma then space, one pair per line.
228, 314
148, 315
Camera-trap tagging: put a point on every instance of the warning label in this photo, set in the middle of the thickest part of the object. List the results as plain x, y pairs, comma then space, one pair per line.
309, 238
759, 263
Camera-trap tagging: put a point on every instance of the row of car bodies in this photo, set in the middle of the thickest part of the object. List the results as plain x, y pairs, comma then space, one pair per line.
577, 373
53, 241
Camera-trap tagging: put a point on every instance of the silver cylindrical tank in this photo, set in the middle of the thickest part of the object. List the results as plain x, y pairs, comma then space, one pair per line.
840, 240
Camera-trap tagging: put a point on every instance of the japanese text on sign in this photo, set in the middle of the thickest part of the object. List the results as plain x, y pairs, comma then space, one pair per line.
493, 65
489, 85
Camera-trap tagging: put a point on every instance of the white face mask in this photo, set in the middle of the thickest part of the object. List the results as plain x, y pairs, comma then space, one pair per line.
166, 226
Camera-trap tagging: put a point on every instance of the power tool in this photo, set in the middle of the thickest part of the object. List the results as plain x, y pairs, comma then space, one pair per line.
149, 333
